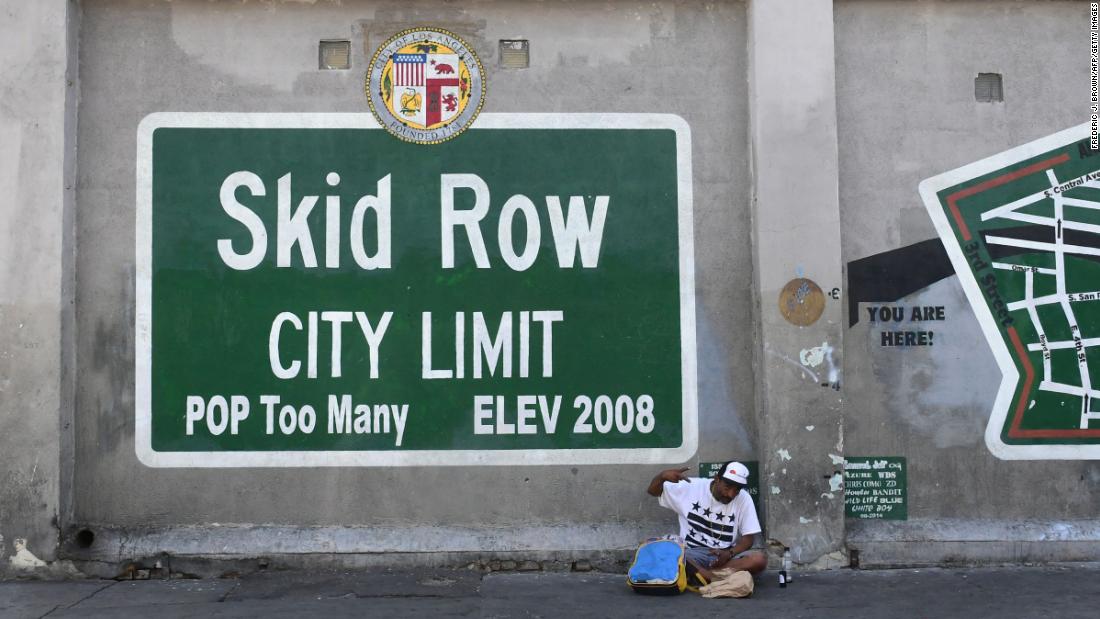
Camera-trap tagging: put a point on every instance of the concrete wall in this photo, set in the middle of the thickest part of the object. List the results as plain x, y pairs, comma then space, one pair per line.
35, 161
796, 243
812, 124
138, 58
906, 112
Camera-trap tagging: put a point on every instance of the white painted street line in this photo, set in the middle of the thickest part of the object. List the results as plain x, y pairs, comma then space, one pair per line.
1000, 211
1025, 244
1081, 203
1060, 344
1067, 224
1008, 266
1067, 389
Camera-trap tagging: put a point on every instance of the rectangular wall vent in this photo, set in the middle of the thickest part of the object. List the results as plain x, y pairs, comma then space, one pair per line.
515, 54
335, 55
988, 88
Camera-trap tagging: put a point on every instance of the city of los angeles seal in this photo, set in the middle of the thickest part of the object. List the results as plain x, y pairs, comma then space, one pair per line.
425, 85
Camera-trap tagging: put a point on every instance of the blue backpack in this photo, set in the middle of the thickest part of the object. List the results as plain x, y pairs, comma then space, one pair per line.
658, 568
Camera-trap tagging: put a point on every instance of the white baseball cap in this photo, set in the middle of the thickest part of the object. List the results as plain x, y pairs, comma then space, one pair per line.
736, 472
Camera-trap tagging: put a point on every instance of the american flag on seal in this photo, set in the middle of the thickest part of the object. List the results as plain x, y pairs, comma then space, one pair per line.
408, 69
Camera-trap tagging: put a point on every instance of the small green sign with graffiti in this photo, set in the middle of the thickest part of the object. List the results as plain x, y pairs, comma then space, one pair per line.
314, 292
875, 488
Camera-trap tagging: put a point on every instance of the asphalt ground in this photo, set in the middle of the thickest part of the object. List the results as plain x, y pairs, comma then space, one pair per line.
1065, 591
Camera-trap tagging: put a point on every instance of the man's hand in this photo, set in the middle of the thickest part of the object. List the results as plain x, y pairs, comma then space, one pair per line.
722, 556
656, 487
674, 475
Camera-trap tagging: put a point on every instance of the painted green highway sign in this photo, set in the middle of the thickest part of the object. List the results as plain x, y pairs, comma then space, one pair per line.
314, 292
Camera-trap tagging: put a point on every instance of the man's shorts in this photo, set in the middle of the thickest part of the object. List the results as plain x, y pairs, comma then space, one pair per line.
703, 557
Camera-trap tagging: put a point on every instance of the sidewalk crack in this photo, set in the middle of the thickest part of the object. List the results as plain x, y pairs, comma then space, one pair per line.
83, 599
229, 591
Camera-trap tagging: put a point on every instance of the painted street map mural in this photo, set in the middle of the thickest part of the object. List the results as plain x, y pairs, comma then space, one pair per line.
1022, 230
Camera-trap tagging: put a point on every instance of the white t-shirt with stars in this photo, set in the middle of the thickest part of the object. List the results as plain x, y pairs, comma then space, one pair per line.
705, 521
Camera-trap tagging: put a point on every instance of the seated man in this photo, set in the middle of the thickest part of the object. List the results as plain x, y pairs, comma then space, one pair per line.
717, 520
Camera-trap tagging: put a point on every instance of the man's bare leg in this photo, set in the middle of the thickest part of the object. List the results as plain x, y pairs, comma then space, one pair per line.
702, 571
753, 563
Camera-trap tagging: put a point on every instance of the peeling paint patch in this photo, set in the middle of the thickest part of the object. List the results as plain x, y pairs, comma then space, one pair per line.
23, 559
828, 495
836, 459
806, 371
774, 489
784, 454
813, 357
809, 428
804, 520
836, 482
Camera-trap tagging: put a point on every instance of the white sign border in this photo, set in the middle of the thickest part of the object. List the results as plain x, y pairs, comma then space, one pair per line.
221, 459
1010, 377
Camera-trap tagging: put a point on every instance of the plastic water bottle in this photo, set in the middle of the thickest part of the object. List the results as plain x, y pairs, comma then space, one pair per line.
785, 573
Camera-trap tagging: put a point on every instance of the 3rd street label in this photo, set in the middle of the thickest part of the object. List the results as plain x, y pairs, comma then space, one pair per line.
312, 292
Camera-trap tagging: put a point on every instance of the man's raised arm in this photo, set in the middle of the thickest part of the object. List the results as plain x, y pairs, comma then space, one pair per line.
656, 487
